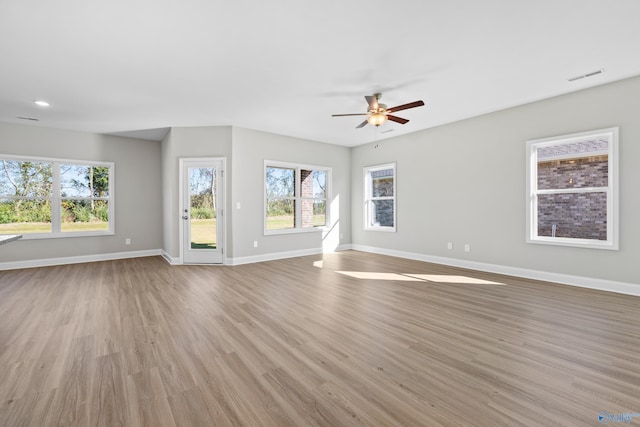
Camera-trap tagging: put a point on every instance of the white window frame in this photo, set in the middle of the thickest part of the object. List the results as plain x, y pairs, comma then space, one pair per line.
368, 198
56, 197
611, 189
297, 197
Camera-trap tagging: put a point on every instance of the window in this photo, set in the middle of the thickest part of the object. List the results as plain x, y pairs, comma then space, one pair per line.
42, 198
295, 197
572, 190
380, 197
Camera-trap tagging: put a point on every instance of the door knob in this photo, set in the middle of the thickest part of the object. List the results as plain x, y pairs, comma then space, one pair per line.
185, 217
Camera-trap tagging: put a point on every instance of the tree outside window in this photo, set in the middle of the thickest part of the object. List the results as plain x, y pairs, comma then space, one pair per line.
295, 197
26, 191
51, 198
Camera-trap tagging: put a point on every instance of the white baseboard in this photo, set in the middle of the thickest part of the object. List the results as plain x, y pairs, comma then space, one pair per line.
13, 265
565, 279
281, 255
171, 260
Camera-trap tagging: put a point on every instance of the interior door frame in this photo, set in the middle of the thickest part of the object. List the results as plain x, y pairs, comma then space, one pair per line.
222, 202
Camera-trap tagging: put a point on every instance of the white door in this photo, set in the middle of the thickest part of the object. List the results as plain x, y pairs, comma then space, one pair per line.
202, 213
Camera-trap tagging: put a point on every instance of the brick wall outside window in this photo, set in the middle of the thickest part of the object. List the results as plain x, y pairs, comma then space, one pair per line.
575, 215
306, 192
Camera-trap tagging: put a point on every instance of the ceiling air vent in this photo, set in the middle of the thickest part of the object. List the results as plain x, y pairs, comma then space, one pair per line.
593, 73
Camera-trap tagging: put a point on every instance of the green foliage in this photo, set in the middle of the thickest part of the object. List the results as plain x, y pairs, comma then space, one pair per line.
7, 213
320, 208
204, 200
100, 181
82, 211
102, 212
25, 211
280, 207
203, 213
28, 188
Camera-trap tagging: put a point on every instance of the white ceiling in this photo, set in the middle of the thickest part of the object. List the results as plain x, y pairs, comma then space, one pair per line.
285, 66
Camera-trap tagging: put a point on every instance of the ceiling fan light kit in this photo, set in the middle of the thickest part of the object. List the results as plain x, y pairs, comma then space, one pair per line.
376, 119
378, 114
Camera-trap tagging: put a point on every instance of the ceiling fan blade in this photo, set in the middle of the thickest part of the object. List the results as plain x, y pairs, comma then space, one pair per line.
361, 125
352, 114
397, 119
372, 101
406, 106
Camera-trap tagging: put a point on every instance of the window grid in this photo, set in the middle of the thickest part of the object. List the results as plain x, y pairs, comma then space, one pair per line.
54, 197
572, 185
380, 197
306, 209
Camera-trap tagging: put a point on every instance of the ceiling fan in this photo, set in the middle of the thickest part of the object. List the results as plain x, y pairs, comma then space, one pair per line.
379, 113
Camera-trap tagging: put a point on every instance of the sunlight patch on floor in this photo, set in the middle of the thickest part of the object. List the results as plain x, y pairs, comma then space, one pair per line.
443, 278
407, 277
372, 275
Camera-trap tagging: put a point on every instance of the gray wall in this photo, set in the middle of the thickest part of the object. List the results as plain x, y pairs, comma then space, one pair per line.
181, 143
462, 183
149, 214
465, 183
137, 202
250, 150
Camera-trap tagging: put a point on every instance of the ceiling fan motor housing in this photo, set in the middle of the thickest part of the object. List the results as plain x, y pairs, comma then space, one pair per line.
378, 113
381, 109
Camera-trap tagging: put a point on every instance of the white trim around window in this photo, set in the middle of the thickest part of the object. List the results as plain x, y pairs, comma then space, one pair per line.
379, 191
296, 197
562, 190
63, 189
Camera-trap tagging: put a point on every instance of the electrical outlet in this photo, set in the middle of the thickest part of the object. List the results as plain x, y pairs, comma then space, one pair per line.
467, 248
255, 243
127, 241
450, 246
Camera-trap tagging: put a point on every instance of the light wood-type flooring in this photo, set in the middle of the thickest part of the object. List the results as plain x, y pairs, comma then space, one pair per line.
336, 340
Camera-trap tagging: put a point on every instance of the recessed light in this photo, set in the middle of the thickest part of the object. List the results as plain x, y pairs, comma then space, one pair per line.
41, 103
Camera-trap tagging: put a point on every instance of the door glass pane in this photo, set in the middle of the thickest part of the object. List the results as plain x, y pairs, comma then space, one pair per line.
203, 209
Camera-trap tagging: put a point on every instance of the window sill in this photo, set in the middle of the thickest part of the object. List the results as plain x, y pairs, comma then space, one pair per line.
383, 229
294, 231
575, 243
40, 236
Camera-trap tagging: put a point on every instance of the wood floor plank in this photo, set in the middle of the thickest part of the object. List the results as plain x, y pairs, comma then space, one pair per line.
108, 399
71, 406
328, 340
